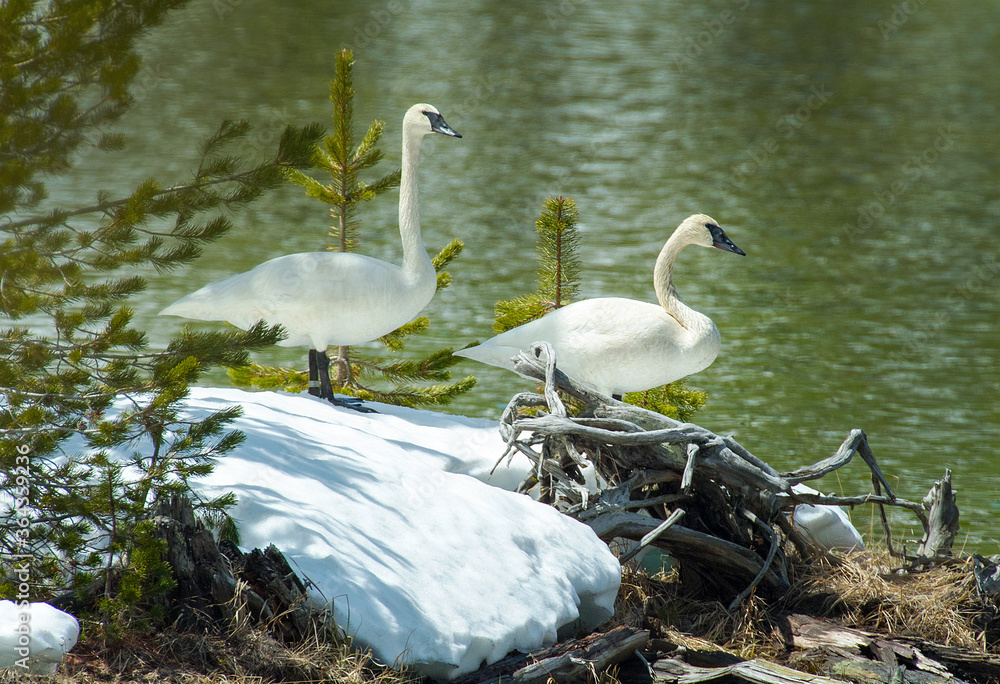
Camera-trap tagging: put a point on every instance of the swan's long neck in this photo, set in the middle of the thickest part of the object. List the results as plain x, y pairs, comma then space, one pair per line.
415, 257
663, 282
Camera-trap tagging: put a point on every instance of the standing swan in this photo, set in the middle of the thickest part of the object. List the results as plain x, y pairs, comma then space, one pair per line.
327, 299
622, 345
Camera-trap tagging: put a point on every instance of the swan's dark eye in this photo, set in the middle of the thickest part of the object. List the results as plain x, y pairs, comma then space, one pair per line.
710, 226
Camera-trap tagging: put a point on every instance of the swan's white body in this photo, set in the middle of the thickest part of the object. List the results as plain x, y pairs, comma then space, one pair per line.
619, 345
322, 299
325, 299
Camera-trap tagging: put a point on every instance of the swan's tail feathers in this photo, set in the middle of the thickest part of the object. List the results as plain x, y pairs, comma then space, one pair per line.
210, 303
193, 306
501, 357
178, 308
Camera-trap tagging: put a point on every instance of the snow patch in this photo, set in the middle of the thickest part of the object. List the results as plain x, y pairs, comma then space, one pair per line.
397, 521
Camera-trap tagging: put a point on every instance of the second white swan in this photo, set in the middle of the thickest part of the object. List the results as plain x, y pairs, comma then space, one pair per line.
619, 345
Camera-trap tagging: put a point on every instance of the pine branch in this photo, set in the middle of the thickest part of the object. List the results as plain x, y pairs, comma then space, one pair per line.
269, 377
59, 216
558, 271
413, 397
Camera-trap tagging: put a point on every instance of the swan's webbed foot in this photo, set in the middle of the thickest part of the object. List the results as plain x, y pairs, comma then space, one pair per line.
320, 385
352, 403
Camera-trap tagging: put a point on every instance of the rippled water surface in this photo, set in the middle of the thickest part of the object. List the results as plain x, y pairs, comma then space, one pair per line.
850, 148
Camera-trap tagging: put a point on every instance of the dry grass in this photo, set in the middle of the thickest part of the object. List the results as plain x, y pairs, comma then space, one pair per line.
245, 655
939, 604
657, 603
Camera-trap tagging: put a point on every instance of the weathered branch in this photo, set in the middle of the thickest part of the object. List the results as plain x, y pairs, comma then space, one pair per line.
735, 504
728, 560
942, 524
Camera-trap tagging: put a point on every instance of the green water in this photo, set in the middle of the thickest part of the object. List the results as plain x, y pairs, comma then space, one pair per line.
850, 148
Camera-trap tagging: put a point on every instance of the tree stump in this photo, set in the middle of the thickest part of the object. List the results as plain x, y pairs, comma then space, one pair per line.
212, 585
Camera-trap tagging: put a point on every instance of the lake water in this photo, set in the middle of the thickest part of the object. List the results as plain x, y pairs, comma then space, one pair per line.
850, 148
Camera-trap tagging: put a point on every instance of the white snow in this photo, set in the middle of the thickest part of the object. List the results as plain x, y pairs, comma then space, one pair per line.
826, 526
396, 519
423, 564
34, 637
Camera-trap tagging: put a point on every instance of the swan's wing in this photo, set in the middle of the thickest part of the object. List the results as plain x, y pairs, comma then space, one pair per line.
610, 343
580, 329
319, 298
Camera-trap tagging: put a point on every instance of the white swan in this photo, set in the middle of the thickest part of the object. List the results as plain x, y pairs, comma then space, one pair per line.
622, 345
325, 299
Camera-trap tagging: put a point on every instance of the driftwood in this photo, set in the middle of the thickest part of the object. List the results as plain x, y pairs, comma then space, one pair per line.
841, 651
732, 538
987, 573
940, 534
756, 671
205, 582
577, 660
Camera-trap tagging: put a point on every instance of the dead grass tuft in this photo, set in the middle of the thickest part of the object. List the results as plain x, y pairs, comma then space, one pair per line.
657, 603
939, 604
245, 655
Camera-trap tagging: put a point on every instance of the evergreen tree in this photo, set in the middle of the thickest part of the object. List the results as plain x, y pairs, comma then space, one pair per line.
344, 161
80, 386
558, 267
558, 281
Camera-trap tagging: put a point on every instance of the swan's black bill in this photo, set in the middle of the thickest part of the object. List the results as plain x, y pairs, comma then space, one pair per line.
438, 125
722, 241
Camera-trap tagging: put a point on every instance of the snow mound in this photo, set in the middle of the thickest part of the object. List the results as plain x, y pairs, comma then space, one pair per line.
34, 637
390, 517
826, 526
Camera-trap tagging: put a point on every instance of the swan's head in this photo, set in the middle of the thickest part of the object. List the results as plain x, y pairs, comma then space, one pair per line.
699, 229
424, 118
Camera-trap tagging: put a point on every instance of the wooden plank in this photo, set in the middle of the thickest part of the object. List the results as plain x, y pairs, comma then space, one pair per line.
756, 671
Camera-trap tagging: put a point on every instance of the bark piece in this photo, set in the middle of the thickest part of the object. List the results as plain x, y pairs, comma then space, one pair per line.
578, 660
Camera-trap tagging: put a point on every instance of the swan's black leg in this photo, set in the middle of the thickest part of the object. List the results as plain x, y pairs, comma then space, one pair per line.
616, 397
314, 388
322, 374
326, 387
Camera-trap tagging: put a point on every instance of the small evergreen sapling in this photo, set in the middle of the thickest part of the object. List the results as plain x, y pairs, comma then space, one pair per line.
558, 281
558, 267
344, 161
